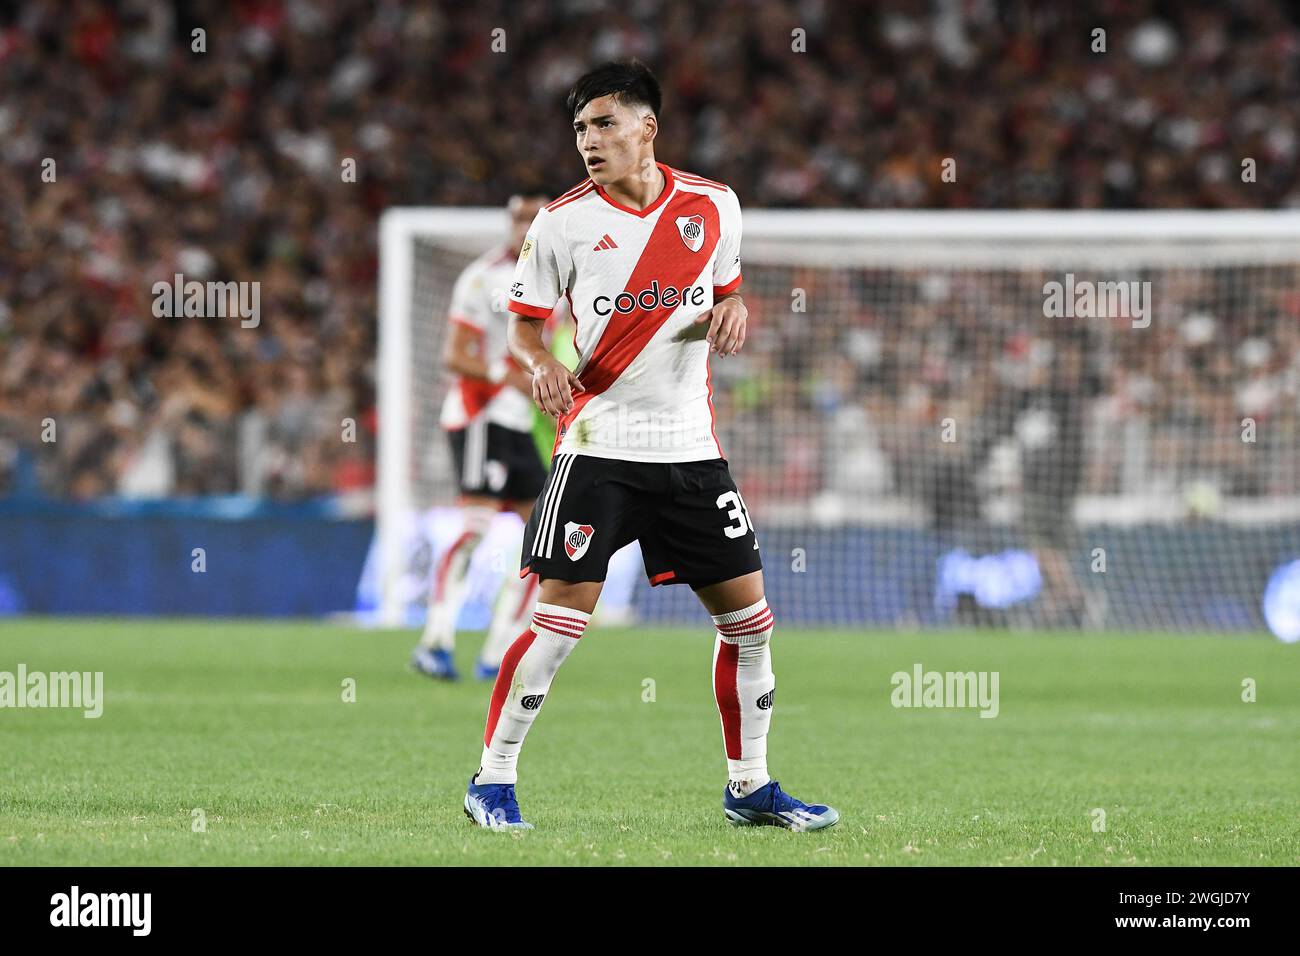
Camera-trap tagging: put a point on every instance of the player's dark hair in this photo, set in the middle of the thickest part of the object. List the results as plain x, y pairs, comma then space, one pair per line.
627, 81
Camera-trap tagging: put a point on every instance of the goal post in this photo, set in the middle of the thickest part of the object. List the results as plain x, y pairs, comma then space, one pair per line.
1018, 419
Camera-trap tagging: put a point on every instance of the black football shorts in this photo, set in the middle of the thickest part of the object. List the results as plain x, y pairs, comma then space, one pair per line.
493, 461
689, 517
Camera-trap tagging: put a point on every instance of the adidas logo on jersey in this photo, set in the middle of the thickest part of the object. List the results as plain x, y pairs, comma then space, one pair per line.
605, 243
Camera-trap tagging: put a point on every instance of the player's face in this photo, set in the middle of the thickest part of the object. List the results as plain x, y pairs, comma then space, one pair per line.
523, 210
612, 138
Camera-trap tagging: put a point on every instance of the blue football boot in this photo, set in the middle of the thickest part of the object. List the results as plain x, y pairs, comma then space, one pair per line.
484, 671
435, 662
773, 807
493, 805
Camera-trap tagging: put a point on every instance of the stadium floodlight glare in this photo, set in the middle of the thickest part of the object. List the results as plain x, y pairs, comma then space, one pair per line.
996, 581
1282, 602
909, 388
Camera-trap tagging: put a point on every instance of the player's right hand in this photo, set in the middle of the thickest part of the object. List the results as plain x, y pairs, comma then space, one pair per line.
554, 387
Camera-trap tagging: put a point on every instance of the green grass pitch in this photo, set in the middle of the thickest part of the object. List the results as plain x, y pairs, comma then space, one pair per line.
246, 722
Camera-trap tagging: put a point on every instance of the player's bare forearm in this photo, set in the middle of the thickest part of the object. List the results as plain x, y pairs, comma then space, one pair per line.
466, 366
463, 356
728, 320
553, 385
524, 339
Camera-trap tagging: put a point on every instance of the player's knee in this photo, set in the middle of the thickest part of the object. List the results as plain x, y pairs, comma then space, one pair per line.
559, 620
557, 630
747, 627
581, 596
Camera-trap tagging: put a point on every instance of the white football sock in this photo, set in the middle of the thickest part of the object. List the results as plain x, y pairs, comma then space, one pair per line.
744, 687
451, 580
522, 684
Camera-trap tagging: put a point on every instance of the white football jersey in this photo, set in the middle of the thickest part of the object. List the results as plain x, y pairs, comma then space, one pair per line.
636, 281
485, 283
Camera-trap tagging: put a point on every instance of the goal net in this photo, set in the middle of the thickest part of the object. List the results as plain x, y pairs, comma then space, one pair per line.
1082, 420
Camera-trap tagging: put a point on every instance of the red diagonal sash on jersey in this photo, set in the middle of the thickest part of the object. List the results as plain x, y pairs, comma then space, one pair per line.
666, 258
476, 393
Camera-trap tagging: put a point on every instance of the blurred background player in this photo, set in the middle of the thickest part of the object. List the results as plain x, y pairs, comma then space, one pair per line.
1051, 425
488, 417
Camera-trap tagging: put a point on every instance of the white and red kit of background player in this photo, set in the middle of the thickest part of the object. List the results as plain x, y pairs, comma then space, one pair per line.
489, 427
485, 283
636, 281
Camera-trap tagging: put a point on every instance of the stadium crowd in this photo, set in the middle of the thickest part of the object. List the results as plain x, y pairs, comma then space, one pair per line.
223, 154
851, 397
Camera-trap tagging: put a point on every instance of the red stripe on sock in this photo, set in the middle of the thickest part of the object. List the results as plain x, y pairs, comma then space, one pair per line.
758, 627
505, 677
557, 629
568, 626
577, 622
761, 630
724, 688
745, 620
759, 622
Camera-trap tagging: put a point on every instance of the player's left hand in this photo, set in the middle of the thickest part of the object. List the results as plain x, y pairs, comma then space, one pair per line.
727, 322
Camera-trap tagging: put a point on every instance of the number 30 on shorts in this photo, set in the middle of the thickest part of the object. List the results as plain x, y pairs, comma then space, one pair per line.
738, 513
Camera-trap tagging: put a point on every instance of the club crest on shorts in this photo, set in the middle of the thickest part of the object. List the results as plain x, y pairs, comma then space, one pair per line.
576, 539
692, 230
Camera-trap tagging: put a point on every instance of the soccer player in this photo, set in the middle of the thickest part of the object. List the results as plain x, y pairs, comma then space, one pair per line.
488, 418
649, 259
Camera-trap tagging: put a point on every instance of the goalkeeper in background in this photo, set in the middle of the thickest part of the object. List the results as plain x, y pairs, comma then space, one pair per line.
488, 418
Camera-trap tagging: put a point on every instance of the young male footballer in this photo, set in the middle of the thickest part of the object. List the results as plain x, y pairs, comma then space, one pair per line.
649, 259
